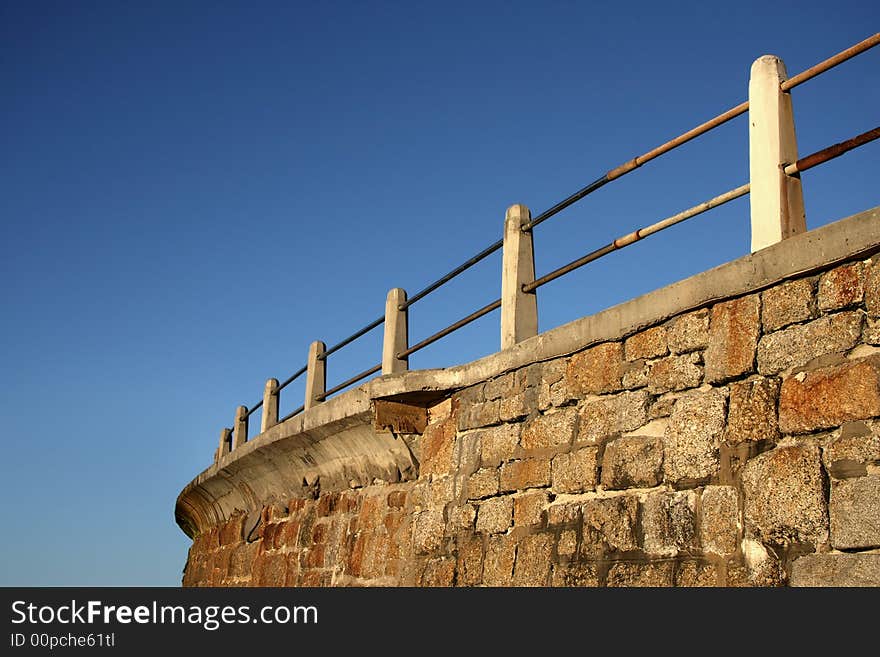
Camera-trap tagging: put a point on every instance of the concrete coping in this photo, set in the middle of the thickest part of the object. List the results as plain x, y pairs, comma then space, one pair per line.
336, 440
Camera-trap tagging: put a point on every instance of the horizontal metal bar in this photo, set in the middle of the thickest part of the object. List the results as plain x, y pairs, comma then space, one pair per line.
292, 378
345, 384
290, 415
819, 157
559, 207
489, 250
351, 338
635, 236
831, 62
252, 409
449, 329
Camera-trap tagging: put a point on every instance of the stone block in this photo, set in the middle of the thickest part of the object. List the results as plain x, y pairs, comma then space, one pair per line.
438, 573
483, 483
674, 373
428, 530
842, 286
784, 499
643, 575
574, 472
836, 570
734, 329
828, 397
786, 304
498, 563
854, 510
437, 447
575, 574
852, 450
752, 411
550, 430
691, 574
527, 473
609, 416
689, 332
474, 416
797, 345
609, 526
469, 566
669, 523
649, 343
720, 520
596, 370
633, 462
528, 508
498, 444
494, 516
532, 566
872, 289
691, 440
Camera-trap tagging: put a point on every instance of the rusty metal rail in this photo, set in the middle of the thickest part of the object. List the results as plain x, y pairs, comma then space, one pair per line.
452, 327
831, 152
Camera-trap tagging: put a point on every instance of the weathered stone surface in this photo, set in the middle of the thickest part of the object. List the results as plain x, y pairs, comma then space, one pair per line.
567, 543
635, 374
798, 345
532, 567
574, 472
428, 529
495, 515
752, 414
474, 416
689, 332
514, 407
461, 517
549, 430
663, 406
633, 462
669, 523
855, 513
852, 449
438, 572
830, 396
483, 483
469, 566
839, 570
872, 289
871, 331
719, 525
575, 574
691, 441
784, 496
652, 575
842, 286
437, 445
786, 304
527, 473
608, 416
649, 343
498, 444
694, 574
674, 373
596, 370
734, 329
528, 508
498, 564
609, 525
500, 387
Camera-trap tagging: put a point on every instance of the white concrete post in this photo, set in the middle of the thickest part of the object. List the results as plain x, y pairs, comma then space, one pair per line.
316, 374
240, 427
225, 443
270, 405
396, 338
519, 310
777, 200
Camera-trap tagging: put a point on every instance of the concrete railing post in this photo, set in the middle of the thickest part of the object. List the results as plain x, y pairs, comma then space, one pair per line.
270, 405
316, 374
777, 200
225, 443
396, 338
240, 427
519, 310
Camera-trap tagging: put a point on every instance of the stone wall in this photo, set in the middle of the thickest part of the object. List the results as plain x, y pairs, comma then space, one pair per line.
736, 444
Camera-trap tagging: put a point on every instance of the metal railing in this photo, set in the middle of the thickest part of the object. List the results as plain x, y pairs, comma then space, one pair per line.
400, 352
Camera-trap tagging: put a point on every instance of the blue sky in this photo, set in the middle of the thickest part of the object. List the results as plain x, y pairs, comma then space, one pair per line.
193, 192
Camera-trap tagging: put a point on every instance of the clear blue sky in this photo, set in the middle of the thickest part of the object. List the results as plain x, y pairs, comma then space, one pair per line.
193, 192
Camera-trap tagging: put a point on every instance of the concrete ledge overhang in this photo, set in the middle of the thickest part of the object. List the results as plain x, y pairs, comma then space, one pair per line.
337, 441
